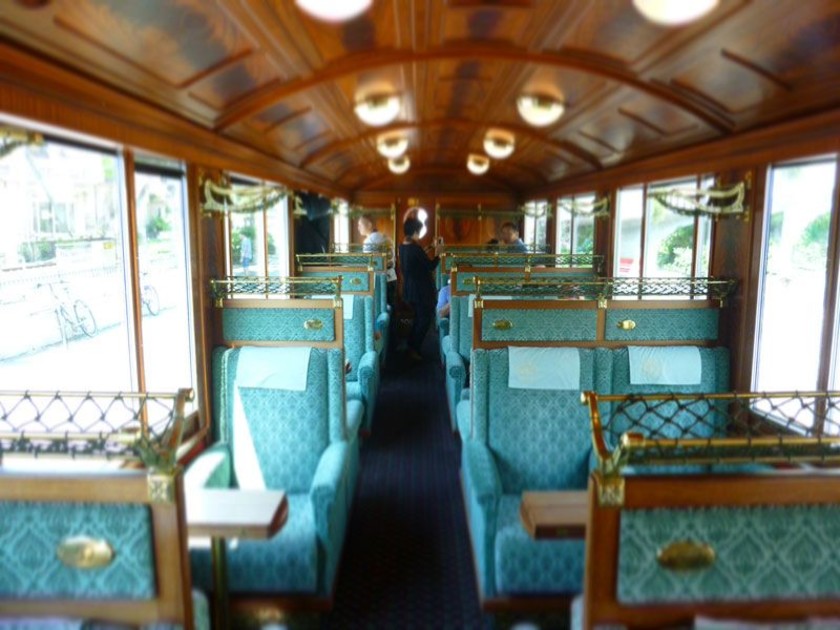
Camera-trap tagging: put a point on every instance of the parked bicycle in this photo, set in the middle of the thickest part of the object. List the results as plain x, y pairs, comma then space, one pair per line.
149, 297
73, 314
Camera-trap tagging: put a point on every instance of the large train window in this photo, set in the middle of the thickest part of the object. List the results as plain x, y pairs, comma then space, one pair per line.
792, 304
575, 231
63, 290
653, 241
168, 357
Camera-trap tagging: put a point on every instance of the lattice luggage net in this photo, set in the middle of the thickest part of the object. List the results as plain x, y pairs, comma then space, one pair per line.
272, 287
669, 429
501, 259
342, 259
608, 288
145, 427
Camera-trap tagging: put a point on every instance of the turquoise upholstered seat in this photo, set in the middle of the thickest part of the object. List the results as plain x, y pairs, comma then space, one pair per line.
359, 351
302, 441
525, 439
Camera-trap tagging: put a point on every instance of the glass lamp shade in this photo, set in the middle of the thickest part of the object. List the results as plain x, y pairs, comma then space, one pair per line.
674, 12
334, 10
478, 164
539, 111
391, 146
378, 110
399, 165
499, 144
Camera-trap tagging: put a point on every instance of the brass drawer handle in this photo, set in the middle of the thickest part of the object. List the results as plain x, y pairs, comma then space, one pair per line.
626, 324
81, 552
313, 324
685, 555
502, 324
356, 281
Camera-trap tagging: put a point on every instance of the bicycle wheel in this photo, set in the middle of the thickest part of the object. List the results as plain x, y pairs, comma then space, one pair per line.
84, 318
151, 300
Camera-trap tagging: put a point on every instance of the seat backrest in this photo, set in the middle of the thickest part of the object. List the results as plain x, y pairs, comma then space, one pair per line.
269, 413
746, 548
540, 437
105, 546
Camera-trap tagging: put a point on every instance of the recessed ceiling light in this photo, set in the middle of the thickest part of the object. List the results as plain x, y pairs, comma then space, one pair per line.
378, 110
539, 111
399, 165
674, 12
478, 164
391, 146
499, 144
334, 10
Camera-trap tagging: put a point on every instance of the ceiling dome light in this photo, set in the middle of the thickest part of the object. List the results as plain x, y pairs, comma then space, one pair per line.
674, 12
332, 11
499, 144
378, 110
539, 111
391, 146
478, 164
399, 165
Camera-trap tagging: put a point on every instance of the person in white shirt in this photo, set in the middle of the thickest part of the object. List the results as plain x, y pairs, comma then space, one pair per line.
376, 241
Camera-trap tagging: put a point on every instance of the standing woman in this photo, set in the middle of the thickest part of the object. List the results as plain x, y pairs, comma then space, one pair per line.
418, 284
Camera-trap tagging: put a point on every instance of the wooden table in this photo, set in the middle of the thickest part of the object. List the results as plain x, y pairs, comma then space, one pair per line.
232, 513
552, 515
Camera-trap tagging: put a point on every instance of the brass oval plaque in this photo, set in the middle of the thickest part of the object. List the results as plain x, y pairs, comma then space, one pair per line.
82, 552
313, 324
685, 555
626, 324
502, 324
356, 281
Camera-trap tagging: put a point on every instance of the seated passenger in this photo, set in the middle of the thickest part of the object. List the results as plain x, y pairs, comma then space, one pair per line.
510, 237
444, 296
376, 241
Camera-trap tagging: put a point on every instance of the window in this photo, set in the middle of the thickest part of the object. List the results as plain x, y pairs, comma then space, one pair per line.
162, 247
536, 226
341, 224
258, 242
575, 231
64, 298
655, 242
793, 276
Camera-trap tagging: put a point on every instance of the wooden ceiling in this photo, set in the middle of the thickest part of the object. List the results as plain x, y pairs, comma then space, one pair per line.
266, 75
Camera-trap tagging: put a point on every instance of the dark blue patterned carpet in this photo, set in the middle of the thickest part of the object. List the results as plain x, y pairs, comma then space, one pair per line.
407, 561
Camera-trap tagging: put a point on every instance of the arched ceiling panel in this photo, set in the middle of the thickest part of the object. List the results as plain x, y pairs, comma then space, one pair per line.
273, 78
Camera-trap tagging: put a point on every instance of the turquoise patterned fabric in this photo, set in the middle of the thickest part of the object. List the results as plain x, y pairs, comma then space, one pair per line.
462, 339
761, 553
287, 563
664, 324
482, 491
31, 534
528, 566
540, 325
351, 281
464, 415
275, 324
331, 494
287, 435
541, 439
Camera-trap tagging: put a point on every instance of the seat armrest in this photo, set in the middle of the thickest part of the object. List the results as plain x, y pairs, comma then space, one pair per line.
355, 414
211, 469
332, 471
382, 321
446, 344
443, 325
481, 475
367, 372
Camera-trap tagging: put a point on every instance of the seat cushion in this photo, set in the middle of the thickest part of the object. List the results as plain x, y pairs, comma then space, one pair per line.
525, 565
354, 390
287, 563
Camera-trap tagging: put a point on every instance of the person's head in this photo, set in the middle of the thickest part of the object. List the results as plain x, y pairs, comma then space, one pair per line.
493, 241
365, 225
509, 232
412, 227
